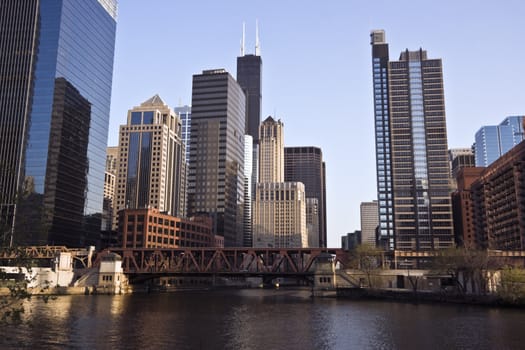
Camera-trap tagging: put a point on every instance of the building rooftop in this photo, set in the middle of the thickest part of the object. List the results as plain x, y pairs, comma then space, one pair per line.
154, 101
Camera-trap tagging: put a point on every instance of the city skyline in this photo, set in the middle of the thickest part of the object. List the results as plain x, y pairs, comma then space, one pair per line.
317, 68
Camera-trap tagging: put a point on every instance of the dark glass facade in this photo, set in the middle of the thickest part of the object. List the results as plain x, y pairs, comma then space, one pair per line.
215, 177
411, 150
249, 77
305, 164
73, 69
19, 29
249, 71
380, 60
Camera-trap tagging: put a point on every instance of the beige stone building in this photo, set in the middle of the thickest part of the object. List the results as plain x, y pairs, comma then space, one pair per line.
271, 151
279, 210
151, 160
110, 177
369, 222
280, 215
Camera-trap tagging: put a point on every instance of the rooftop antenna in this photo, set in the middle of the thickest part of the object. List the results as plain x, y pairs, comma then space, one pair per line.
257, 46
242, 40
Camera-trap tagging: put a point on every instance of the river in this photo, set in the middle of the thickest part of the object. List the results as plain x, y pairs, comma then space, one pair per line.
258, 319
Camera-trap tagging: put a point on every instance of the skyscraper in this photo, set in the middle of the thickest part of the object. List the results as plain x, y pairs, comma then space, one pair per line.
249, 70
460, 158
493, 141
380, 61
54, 118
216, 169
411, 150
462, 206
151, 160
184, 113
249, 77
305, 164
110, 181
248, 198
369, 222
312, 222
279, 218
498, 202
271, 151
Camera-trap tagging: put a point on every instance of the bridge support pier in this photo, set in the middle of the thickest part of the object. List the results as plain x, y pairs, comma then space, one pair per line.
324, 276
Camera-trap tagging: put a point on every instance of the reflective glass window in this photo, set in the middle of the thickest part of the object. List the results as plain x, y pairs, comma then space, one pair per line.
136, 118
148, 118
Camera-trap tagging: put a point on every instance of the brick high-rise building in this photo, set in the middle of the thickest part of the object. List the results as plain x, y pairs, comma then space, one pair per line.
149, 228
498, 197
413, 172
462, 205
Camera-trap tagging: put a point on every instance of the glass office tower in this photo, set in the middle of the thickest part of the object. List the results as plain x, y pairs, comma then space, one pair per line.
413, 171
58, 175
382, 133
493, 141
184, 113
19, 23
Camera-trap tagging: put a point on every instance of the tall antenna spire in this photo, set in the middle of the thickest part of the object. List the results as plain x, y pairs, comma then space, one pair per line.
243, 36
257, 46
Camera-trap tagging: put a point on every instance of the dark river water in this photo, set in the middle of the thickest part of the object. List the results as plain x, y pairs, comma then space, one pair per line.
258, 319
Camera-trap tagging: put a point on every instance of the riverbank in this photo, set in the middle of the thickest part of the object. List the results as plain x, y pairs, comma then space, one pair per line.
405, 295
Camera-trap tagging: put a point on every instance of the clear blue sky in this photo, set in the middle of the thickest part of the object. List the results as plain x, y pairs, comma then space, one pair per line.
317, 70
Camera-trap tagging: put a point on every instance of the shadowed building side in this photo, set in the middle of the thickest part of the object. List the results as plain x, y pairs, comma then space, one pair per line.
216, 168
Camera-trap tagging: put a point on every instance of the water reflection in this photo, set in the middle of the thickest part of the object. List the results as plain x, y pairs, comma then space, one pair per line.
259, 319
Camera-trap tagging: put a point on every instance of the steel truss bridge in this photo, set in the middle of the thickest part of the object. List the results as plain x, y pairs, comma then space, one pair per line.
215, 260
82, 257
295, 261
226, 261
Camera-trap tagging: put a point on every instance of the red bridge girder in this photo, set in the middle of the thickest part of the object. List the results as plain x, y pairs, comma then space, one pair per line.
222, 260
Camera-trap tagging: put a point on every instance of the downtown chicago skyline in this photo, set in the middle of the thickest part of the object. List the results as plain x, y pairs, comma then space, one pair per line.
317, 73
327, 116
